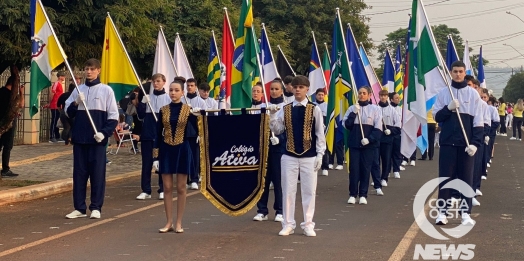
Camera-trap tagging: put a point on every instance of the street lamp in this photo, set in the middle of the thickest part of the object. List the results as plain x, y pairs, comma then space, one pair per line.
510, 13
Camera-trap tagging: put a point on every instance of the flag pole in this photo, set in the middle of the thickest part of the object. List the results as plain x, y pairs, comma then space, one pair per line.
285, 59
171, 57
453, 43
319, 60
327, 51
67, 64
271, 51
132, 66
229, 23
184, 50
219, 61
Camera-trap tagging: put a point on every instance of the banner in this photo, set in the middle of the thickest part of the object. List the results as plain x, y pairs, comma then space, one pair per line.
233, 160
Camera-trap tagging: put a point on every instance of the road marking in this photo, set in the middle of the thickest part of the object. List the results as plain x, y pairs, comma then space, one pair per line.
50, 156
82, 228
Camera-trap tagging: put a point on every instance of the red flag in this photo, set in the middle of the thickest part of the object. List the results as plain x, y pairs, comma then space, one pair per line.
228, 47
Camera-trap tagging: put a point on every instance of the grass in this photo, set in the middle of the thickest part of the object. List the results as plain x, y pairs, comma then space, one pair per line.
18, 183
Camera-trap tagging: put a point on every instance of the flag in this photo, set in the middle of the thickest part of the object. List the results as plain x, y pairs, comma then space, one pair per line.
451, 53
269, 68
228, 47
426, 79
388, 77
213, 68
357, 67
244, 59
406, 64
467, 61
399, 86
181, 62
283, 67
326, 68
372, 76
480, 70
46, 54
316, 72
163, 61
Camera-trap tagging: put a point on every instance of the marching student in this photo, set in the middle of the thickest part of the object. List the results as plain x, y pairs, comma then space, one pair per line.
396, 158
517, 120
172, 152
158, 99
502, 116
288, 91
495, 123
305, 145
203, 90
432, 127
320, 95
273, 173
89, 151
362, 149
456, 157
257, 94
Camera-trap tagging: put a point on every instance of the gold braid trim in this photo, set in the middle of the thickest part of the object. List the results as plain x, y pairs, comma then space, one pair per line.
155, 153
180, 126
308, 124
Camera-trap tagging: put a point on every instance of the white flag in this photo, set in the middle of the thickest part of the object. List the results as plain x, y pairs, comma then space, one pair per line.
181, 62
163, 61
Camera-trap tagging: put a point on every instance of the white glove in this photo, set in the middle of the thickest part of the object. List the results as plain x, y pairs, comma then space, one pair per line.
357, 108
364, 141
156, 165
196, 111
99, 137
272, 108
146, 99
387, 132
318, 163
471, 149
274, 141
486, 140
453, 105
80, 98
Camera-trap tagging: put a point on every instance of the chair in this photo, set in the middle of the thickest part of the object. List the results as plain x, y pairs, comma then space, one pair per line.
121, 137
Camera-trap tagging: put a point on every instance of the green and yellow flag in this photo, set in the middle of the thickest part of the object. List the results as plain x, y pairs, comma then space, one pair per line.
213, 69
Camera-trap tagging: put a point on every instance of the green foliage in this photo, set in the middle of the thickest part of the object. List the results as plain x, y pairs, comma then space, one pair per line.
515, 88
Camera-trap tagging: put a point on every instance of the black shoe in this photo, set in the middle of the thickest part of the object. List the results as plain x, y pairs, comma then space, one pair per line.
8, 174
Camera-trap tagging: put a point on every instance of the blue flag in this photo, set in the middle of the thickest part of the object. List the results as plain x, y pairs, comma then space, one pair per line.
388, 78
481, 76
451, 53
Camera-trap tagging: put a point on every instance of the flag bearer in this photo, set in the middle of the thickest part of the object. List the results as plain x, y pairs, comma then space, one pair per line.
396, 158
257, 93
288, 91
392, 120
320, 95
203, 90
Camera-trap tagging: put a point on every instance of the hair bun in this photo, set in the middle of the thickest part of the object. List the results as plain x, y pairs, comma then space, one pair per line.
180, 79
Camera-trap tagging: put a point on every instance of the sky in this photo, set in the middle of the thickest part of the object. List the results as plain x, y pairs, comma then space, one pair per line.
481, 22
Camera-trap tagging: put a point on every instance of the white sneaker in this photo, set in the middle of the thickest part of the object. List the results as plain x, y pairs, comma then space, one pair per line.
512, 138
330, 166
402, 168
466, 220
363, 201
372, 184
95, 214
351, 200
339, 167
475, 202
286, 231
478, 192
309, 232
454, 201
441, 219
271, 186
489, 165
194, 186
143, 196
519, 139
404, 163
260, 217
489, 161
379, 192
325, 172
397, 175
484, 177
279, 218
505, 134
161, 195
412, 163
383, 183
75, 214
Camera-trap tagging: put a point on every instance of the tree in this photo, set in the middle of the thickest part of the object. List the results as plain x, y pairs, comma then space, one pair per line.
514, 90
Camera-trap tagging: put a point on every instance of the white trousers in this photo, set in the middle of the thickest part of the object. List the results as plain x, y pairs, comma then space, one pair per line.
291, 167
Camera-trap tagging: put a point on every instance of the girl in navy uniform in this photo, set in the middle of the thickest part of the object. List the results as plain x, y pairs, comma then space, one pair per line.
396, 156
172, 152
392, 129
480, 157
362, 149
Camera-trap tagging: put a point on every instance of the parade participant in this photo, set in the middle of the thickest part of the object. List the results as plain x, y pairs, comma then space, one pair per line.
432, 127
158, 99
288, 91
456, 157
502, 116
517, 119
495, 123
273, 173
66, 121
320, 94
362, 149
203, 90
396, 158
195, 102
302, 122
172, 152
56, 90
8, 137
89, 153
391, 119
257, 92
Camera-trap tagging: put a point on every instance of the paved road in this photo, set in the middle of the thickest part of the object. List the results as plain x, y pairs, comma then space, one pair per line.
381, 230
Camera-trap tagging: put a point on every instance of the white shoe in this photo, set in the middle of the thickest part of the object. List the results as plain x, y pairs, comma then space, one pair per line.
478, 192
489, 165
161, 195
412, 163
379, 192
330, 166
372, 184
351, 200
383, 183
397, 175
194, 186
279, 218
404, 163
95, 214
441, 219
309, 232
484, 177
363, 201
75, 214
143, 196
489, 161
402, 168
512, 138
271, 186
466, 220
475, 202
339, 167
505, 134
519, 139
454, 201
286, 231
260, 217
325, 172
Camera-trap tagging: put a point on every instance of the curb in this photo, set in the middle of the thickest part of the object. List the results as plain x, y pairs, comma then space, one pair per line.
50, 188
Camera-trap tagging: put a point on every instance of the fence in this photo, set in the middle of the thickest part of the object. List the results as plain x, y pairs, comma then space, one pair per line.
19, 136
